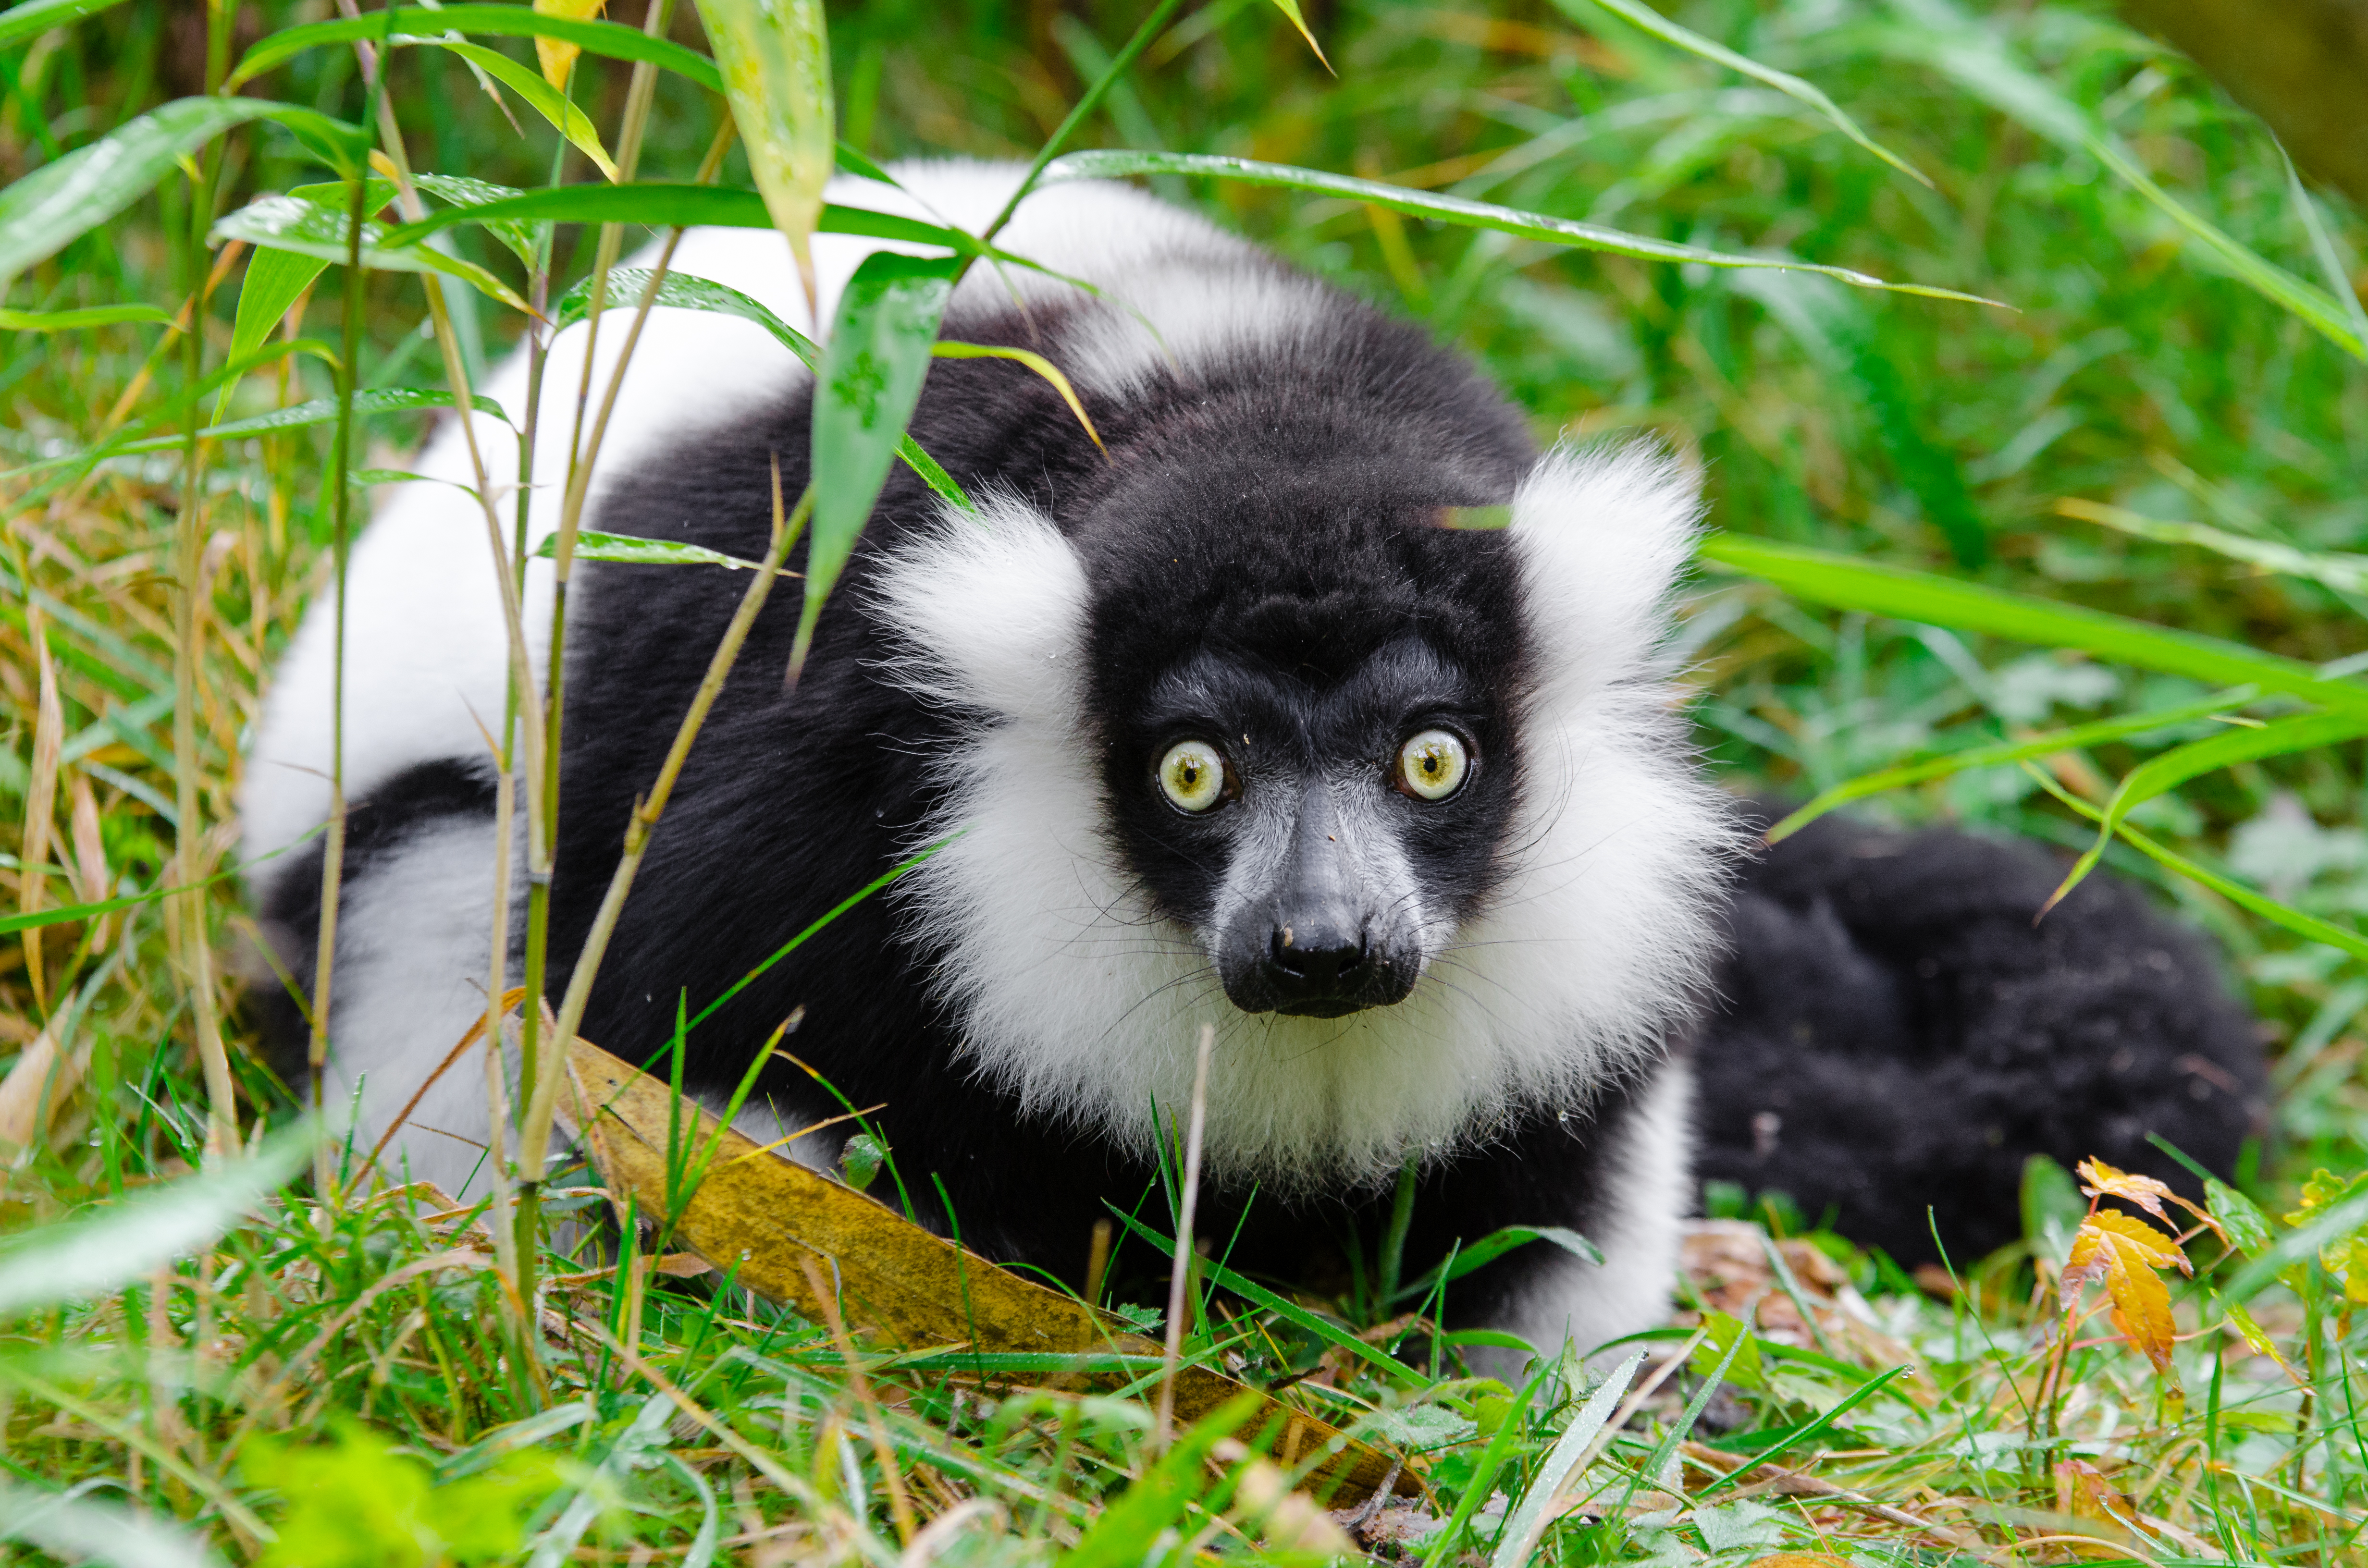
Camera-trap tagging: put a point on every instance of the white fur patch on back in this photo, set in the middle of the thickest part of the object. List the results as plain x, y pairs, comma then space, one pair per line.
426, 656
1076, 996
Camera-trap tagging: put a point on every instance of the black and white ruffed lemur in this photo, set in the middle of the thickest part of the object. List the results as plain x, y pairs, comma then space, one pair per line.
1226, 728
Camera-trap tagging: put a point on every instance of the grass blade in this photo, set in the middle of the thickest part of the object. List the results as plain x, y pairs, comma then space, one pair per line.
72, 1528
1289, 1311
36, 17
613, 39
1529, 1521
2163, 774
2074, 739
1846, 582
128, 1241
1118, 165
865, 390
2270, 909
1948, 42
1289, 9
2343, 573
46, 209
1792, 86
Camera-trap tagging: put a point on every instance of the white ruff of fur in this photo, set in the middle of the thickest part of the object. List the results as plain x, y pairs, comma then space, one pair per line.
1075, 996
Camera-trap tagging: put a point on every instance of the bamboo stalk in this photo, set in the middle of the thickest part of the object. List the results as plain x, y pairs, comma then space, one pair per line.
542, 819
534, 1135
188, 570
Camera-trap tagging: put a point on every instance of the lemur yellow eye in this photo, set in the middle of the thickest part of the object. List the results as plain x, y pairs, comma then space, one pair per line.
1192, 775
1431, 766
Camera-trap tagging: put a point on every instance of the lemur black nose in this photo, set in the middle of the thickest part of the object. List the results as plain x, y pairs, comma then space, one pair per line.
1318, 969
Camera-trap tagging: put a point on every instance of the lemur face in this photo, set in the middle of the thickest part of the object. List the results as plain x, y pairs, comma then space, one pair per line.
1320, 833
1313, 775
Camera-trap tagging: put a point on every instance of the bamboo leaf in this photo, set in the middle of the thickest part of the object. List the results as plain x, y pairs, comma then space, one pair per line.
1660, 27
78, 320
684, 292
296, 416
2160, 774
540, 96
34, 18
1848, 582
912, 1288
317, 229
865, 390
1114, 164
46, 209
632, 550
273, 282
660, 205
522, 236
2074, 739
1033, 361
612, 40
124, 1242
775, 57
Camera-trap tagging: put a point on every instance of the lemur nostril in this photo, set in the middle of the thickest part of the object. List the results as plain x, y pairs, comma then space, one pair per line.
1320, 966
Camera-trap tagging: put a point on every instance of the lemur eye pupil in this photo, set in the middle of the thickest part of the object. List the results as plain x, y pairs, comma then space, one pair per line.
1192, 776
1432, 765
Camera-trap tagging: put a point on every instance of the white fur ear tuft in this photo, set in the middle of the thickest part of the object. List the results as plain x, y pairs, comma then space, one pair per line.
1604, 533
992, 610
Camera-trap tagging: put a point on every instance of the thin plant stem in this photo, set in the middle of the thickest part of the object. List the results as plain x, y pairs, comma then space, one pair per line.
1179, 1277
542, 800
189, 568
333, 853
1392, 1260
534, 1134
1144, 35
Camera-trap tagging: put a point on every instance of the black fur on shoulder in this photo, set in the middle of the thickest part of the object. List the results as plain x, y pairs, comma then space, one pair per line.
1897, 1034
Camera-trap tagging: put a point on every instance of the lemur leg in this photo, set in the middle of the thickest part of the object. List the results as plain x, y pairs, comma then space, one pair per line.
1620, 1175
1896, 1036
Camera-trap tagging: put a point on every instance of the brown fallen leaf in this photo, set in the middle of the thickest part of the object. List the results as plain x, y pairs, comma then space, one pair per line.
765, 1220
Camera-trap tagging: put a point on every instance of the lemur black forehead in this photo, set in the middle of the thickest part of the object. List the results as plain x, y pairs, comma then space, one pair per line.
1219, 693
1322, 580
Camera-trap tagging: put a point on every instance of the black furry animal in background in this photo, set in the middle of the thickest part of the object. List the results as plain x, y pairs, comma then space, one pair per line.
1231, 726
1897, 1033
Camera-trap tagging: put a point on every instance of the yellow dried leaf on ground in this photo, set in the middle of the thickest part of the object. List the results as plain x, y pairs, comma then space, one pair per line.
556, 57
763, 1220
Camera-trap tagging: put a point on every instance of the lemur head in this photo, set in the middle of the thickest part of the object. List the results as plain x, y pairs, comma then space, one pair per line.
1402, 808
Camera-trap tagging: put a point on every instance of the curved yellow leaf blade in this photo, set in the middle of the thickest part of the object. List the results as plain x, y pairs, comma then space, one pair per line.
765, 1219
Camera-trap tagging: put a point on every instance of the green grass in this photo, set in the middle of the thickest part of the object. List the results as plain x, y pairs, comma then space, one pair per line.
347, 1383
